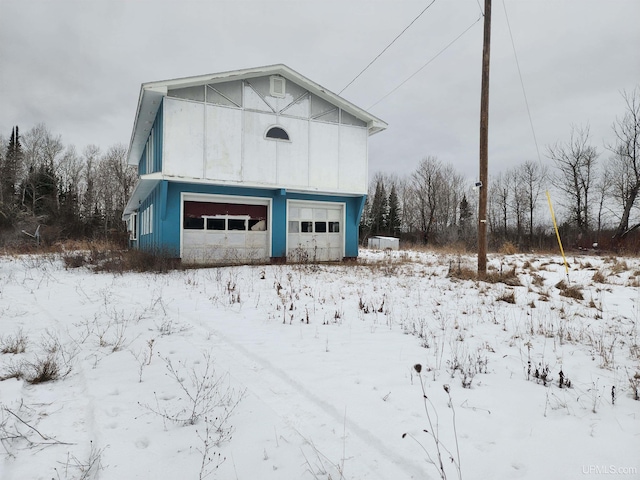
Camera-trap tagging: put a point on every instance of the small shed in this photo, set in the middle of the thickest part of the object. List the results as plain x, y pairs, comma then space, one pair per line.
384, 243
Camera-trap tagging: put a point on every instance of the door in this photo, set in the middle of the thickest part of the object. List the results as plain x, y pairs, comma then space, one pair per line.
221, 232
315, 231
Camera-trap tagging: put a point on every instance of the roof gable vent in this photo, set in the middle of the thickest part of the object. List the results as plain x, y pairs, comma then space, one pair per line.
277, 86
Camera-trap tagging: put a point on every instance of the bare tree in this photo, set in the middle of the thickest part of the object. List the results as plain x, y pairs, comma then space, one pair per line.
517, 202
533, 177
499, 206
89, 205
603, 191
426, 182
575, 161
41, 155
116, 180
433, 196
626, 161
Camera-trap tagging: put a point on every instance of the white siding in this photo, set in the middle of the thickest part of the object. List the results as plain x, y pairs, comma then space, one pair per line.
293, 163
324, 155
259, 165
353, 159
183, 138
222, 143
223, 139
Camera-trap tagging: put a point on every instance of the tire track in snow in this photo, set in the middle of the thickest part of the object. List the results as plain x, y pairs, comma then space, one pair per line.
273, 386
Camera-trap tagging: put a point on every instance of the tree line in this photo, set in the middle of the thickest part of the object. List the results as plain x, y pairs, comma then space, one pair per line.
79, 195
73, 195
595, 192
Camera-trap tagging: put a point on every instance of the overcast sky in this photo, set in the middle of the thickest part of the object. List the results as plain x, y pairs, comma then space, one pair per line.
78, 65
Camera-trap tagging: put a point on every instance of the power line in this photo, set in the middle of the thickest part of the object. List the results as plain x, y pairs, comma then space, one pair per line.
430, 60
524, 92
535, 141
387, 47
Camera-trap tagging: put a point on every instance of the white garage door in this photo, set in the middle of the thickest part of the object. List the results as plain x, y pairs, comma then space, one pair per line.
219, 232
315, 231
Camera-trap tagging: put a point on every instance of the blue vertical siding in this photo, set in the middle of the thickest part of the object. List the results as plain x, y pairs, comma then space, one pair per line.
156, 161
153, 241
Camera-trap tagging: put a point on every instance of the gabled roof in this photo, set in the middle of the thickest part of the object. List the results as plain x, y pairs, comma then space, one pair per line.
151, 95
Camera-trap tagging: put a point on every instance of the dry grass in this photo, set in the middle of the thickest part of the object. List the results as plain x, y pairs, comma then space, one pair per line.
599, 277
102, 259
570, 291
463, 273
457, 248
508, 248
619, 266
537, 280
13, 344
508, 297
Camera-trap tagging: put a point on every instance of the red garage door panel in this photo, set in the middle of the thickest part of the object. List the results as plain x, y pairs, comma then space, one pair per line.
198, 209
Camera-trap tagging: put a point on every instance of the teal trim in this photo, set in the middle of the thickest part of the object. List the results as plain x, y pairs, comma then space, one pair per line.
279, 225
164, 187
142, 165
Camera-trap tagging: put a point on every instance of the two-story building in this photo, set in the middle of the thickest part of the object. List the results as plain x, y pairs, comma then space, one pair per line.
248, 166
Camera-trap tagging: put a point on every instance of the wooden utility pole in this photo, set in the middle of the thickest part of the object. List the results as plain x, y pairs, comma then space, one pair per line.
484, 144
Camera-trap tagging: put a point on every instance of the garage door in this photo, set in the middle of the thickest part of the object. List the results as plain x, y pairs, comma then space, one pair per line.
217, 232
315, 231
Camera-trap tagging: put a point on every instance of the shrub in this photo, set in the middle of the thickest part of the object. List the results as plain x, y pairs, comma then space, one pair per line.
45, 369
13, 343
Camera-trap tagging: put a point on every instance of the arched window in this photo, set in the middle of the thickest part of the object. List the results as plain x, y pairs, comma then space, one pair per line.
277, 133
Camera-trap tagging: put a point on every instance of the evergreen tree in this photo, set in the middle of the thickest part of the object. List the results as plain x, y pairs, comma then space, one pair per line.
365, 220
379, 209
465, 211
9, 170
393, 217
40, 191
466, 216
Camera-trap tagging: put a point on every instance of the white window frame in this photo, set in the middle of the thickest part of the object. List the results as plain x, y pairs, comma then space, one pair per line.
150, 152
151, 218
133, 226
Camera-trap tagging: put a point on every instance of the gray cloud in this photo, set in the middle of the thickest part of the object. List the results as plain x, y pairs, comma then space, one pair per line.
78, 66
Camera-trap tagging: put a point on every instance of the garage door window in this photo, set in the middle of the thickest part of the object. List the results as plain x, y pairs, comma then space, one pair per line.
216, 224
193, 223
236, 224
320, 227
212, 216
334, 227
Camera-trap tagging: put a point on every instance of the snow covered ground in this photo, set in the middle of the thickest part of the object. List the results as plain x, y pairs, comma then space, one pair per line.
308, 372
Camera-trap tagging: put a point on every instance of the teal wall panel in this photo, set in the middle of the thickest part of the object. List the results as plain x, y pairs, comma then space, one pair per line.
167, 223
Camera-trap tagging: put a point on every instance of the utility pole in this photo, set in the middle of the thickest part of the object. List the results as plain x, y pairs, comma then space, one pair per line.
484, 144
